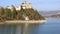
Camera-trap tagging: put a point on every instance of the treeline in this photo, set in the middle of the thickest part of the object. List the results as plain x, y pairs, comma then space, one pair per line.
12, 14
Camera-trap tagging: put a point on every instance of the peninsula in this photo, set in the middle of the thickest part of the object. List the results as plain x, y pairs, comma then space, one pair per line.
22, 13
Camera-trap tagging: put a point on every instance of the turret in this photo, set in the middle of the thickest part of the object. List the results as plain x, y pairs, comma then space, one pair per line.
26, 5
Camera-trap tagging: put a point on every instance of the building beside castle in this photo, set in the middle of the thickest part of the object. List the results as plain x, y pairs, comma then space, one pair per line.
24, 5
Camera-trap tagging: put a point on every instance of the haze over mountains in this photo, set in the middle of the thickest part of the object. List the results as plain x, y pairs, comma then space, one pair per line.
50, 13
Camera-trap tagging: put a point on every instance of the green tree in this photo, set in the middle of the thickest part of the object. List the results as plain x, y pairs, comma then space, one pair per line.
1, 11
13, 12
8, 13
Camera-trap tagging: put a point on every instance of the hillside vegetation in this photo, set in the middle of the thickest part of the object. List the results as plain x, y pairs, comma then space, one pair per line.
8, 14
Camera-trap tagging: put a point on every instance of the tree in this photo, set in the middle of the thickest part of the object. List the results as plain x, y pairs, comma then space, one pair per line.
1, 11
8, 13
13, 12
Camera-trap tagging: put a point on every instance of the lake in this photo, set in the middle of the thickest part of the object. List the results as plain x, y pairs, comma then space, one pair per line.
52, 26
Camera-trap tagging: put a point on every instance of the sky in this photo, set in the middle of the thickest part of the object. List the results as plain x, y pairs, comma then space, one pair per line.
36, 4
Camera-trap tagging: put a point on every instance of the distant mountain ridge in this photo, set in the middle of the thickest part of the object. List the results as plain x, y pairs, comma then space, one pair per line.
49, 13
55, 16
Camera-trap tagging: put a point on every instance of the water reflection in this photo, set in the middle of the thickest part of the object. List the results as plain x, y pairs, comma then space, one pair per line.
52, 26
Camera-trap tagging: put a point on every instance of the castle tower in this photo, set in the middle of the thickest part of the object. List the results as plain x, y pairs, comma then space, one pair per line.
26, 5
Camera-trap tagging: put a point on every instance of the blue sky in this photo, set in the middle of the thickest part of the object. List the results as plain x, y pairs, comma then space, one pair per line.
36, 4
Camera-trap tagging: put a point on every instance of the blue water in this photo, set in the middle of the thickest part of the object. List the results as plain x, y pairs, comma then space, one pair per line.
52, 26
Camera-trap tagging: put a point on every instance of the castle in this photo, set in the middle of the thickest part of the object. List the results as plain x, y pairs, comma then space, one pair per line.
24, 5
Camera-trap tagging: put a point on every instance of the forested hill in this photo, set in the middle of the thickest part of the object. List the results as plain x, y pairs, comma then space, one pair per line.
8, 14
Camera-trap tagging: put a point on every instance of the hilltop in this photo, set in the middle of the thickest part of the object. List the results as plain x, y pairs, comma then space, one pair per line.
23, 12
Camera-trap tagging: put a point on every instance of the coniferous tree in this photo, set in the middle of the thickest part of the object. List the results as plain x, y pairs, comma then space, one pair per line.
1, 11
13, 12
8, 13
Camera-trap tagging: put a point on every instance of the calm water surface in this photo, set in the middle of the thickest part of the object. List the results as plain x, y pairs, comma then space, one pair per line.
52, 26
